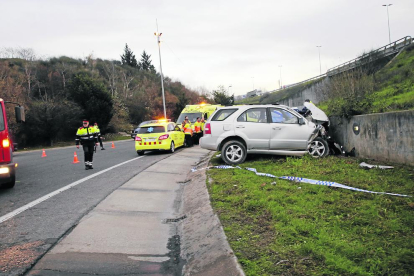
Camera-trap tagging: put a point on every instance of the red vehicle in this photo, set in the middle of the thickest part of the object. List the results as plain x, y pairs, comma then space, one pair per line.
7, 166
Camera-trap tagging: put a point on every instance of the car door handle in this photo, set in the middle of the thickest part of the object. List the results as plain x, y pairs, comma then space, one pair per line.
277, 128
239, 126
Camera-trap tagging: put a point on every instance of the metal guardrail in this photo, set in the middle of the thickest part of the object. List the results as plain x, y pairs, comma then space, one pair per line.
384, 51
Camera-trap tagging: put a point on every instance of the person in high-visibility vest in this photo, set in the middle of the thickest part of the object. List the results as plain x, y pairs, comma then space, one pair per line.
188, 131
98, 133
197, 130
202, 127
87, 137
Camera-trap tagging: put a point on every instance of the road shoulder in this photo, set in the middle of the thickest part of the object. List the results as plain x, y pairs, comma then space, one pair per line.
204, 245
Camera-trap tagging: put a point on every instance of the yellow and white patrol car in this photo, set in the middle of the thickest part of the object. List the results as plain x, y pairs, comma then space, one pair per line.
158, 135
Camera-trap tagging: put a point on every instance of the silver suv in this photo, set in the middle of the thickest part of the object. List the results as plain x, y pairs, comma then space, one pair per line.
265, 129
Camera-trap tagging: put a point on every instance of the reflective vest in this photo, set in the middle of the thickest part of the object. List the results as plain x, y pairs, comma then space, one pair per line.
202, 126
97, 130
187, 129
197, 127
86, 135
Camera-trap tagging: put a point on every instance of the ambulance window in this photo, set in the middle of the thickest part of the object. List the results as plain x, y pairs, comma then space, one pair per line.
170, 127
223, 114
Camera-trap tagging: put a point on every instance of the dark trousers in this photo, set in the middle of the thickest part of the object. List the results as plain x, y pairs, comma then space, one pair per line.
100, 141
88, 150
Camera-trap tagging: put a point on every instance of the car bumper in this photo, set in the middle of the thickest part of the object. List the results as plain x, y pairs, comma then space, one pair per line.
165, 145
7, 171
208, 142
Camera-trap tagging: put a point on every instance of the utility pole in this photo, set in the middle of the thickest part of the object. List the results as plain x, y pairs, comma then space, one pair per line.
320, 67
158, 35
280, 79
388, 16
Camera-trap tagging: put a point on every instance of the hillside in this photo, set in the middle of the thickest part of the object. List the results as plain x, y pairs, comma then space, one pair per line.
58, 93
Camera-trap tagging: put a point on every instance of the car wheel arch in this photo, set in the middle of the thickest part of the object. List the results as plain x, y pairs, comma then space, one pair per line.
237, 138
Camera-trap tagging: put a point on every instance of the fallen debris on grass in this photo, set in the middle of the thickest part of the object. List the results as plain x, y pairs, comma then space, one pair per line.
369, 166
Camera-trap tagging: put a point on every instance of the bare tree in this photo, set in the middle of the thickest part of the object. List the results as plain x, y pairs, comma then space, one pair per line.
111, 74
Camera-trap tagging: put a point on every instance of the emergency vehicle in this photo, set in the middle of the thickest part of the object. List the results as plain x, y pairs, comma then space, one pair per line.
7, 166
197, 110
158, 135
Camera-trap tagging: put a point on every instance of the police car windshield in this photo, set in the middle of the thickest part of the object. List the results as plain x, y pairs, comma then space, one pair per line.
151, 129
191, 116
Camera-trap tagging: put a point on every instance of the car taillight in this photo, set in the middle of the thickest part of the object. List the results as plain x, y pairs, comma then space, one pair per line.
5, 143
207, 129
163, 137
138, 138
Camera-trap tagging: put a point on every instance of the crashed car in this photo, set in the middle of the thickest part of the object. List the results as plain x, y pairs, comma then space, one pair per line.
260, 129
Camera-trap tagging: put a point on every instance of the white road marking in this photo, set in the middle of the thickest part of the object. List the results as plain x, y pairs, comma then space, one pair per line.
52, 194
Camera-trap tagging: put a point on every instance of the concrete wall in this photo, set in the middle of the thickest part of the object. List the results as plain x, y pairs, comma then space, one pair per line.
383, 136
312, 93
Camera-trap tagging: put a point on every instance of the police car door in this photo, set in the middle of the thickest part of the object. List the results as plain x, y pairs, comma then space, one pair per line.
286, 133
253, 126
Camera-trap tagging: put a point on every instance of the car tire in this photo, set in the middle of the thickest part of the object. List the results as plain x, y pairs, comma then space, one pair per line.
318, 148
172, 147
140, 152
10, 184
233, 152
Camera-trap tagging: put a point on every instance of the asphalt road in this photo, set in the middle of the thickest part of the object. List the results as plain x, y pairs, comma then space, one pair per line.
27, 236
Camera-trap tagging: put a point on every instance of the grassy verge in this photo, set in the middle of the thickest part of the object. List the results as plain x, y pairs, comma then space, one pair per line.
293, 228
108, 138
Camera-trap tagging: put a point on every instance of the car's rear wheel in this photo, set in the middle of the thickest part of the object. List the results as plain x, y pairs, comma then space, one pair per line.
233, 152
140, 152
318, 148
172, 147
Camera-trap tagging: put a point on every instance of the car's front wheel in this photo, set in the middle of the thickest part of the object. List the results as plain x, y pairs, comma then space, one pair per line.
10, 184
172, 147
140, 152
318, 148
233, 152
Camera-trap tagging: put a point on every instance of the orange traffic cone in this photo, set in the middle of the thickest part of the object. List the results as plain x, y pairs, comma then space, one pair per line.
113, 145
44, 153
75, 158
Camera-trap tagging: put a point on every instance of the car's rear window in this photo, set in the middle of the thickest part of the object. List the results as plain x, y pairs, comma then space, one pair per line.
151, 129
1, 118
223, 114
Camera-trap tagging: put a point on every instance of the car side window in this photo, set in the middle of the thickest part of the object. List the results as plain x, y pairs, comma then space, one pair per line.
170, 127
254, 115
283, 117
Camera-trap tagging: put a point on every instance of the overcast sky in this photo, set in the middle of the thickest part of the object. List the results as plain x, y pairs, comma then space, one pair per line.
210, 43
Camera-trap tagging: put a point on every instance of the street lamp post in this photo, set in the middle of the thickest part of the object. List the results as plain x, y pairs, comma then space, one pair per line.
388, 16
320, 67
280, 77
158, 35
228, 90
